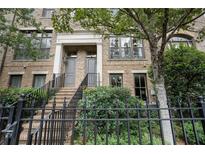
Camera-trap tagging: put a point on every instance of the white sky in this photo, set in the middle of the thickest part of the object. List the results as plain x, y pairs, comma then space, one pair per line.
102, 3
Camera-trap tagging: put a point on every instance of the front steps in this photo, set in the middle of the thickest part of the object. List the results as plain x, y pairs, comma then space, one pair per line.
67, 92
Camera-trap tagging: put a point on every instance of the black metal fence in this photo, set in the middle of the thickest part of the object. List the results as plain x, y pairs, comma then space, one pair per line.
11, 115
34, 121
90, 124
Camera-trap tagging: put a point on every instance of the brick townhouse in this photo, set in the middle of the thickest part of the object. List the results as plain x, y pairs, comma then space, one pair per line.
117, 61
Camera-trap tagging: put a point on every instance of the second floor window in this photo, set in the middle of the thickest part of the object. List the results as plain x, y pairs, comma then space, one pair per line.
47, 12
42, 43
180, 39
126, 48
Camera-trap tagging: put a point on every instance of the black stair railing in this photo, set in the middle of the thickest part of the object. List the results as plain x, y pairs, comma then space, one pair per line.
11, 115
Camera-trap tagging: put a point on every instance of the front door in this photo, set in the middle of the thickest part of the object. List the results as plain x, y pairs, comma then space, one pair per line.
70, 72
92, 71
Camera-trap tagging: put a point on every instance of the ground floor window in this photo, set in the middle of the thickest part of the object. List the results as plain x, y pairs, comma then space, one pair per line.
116, 79
15, 81
140, 86
39, 80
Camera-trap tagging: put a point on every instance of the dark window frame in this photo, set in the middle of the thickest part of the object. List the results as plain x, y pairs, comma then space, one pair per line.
115, 74
131, 48
140, 87
47, 12
10, 78
185, 39
34, 75
47, 35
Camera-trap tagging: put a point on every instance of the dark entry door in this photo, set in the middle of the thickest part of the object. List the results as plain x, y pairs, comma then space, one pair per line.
70, 72
92, 71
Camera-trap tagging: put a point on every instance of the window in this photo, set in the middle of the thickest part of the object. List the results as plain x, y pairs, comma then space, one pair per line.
42, 42
47, 12
140, 86
180, 39
116, 80
39, 80
126, 48
15, 81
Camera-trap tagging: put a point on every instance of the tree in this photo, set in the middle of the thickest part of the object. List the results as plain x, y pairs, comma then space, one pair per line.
184, 71
155, 25
11, 38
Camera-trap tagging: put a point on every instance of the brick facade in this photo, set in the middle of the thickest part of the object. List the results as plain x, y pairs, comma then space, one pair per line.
127, 67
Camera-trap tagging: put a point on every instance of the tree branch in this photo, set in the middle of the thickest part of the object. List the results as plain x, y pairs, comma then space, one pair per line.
164, 29
179, 24
136, 18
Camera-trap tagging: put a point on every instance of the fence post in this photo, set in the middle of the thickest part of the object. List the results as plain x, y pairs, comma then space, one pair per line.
53, 83
18, 116
1, 115
48, 90
201, 104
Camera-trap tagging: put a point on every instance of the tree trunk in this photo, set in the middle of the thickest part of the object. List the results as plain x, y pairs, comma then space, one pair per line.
161, 93
164, 112
6, 47
3, 59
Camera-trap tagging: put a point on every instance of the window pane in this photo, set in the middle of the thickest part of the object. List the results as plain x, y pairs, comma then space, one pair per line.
177, 40
46, 43
125, 42
39, 43
137, 92
137, 81
47, 13
137, 42
140, 86
114, 42
126, 52
39, 81
126, 48
15, 81
138, 53
143, 93
142, 80
36, 43
116, 80
44, 54
114, 53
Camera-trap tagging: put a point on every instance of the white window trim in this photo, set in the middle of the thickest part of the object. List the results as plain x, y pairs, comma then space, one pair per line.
39, 72
139, 71
16, 73
116, 71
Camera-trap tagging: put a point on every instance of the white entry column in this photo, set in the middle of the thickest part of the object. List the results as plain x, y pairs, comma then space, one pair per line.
99, 63
58, 59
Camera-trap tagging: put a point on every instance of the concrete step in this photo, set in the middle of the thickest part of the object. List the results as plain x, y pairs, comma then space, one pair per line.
65, 94
62, 97
24, 135
67, 90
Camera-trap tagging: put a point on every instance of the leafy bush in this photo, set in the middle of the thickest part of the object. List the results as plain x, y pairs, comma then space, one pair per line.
101, 103
11, 95
184, 73
199, 133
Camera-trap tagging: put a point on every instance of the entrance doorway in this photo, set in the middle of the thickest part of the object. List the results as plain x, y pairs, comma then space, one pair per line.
91, 69
70, 72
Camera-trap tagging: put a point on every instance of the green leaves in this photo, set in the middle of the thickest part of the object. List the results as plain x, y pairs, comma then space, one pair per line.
10, 35
184, 71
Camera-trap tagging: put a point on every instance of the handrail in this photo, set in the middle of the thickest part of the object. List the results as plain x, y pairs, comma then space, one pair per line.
46, 85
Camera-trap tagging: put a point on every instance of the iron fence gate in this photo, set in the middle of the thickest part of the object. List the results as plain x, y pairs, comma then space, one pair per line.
80, 123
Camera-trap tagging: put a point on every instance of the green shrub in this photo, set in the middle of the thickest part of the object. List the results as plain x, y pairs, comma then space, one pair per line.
100, 103
199, 133
11, 95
